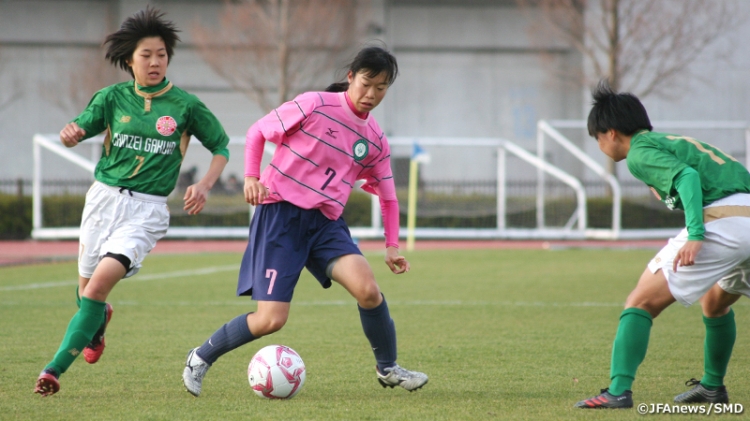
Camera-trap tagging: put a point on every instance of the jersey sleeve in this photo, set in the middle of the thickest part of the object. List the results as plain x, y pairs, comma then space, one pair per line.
93, 119
688, 185
207, 129
254, 143
286, 119
390, 214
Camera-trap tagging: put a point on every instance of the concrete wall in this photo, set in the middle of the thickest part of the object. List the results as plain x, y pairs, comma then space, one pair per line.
472, 71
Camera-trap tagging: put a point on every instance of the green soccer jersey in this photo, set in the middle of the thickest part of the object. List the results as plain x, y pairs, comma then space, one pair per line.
657, 159
147, 131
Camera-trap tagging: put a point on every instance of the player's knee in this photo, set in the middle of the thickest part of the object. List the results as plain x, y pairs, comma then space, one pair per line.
369, 296
653, 305
714, 308
714, 313
269, 324
124, 260
717, 302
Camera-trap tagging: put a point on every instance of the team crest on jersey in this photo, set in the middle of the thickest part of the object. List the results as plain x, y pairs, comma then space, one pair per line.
125, 119
166, 125
360, 149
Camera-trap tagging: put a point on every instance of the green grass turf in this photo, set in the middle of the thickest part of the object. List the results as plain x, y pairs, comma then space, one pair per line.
503, 334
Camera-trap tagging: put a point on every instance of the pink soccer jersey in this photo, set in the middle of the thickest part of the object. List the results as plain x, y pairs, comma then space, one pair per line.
322, 149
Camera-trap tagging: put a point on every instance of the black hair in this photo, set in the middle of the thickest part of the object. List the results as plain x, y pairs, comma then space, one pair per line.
620, 111
372, 61
145, 23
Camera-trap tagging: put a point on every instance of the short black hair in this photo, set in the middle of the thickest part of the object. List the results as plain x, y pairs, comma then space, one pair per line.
620, 111
372, 61
143, 24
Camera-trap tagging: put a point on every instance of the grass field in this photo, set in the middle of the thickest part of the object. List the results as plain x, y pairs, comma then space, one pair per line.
503, 334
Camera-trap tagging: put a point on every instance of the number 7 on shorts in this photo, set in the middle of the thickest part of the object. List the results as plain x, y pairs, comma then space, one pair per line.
271, 273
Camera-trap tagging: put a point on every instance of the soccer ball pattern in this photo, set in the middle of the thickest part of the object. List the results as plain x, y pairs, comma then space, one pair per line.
276, 372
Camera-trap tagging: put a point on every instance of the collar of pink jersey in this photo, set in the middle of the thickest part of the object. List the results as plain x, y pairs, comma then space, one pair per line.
349, 102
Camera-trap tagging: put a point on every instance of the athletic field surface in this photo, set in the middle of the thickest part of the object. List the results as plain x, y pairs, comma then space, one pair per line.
506, 330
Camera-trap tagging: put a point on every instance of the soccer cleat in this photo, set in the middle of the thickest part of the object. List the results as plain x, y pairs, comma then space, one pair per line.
607, 400
699, 394
47, 384
399, 376
195, 369
95, 348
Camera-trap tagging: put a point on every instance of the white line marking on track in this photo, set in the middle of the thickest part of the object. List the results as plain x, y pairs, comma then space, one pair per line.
137, 278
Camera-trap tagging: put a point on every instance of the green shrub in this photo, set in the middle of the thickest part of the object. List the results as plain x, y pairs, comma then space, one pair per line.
62, 211
357, 211
15, 217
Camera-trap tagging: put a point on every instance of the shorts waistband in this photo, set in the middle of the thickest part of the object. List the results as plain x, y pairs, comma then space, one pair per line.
133, 194
717, 212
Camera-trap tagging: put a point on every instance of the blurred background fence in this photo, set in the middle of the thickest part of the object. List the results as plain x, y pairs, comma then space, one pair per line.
469, 188
457, 190
441, 204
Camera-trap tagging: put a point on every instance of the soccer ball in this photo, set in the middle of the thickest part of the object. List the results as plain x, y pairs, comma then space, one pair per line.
276, 372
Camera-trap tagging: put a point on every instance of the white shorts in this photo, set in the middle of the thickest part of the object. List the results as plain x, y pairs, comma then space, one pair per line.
126, 223
723, 258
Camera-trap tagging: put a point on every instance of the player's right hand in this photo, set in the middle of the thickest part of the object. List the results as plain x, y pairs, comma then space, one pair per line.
71, 134
396, 262
255, 192
686, 254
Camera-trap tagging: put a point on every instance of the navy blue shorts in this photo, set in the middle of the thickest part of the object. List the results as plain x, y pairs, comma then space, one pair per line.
283, 240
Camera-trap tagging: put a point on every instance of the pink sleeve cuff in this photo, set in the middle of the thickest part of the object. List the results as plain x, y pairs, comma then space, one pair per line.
254, 143
389, 209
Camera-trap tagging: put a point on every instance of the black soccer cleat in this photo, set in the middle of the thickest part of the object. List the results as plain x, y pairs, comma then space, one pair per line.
699, 394
607, 400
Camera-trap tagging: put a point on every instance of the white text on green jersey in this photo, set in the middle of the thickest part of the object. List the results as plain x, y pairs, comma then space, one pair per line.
157, 146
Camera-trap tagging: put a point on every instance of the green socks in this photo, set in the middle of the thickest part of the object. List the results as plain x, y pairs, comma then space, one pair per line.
629, 348
631, 343
81, 329
721, 333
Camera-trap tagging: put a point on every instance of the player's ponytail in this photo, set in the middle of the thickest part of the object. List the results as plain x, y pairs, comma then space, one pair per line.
338, 87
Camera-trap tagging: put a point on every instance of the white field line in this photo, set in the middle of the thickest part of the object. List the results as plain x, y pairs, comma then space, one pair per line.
137, 278
228, 268
393, 303
336, 303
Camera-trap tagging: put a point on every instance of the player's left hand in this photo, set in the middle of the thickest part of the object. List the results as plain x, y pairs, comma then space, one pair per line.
195, 198
397, 263
686, 255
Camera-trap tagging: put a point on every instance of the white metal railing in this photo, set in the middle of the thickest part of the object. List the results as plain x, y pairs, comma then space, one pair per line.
503, 145
549, 128
575, 228
578, 218
51, 143
40, 142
